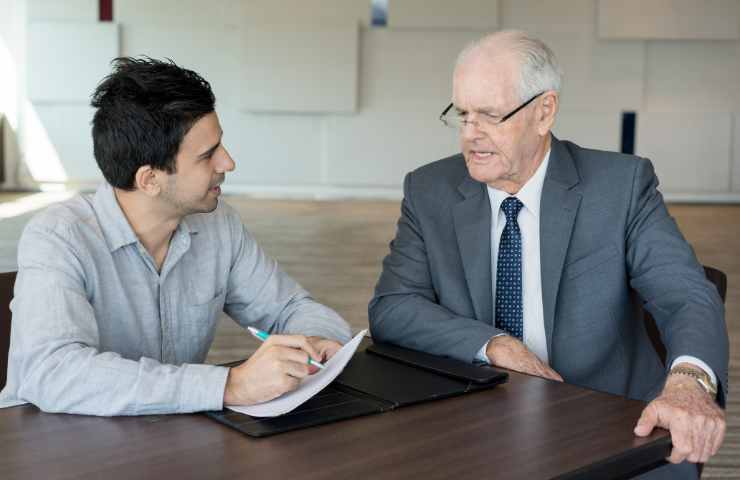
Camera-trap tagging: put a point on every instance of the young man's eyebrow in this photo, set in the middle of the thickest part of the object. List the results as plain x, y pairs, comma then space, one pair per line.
210, 151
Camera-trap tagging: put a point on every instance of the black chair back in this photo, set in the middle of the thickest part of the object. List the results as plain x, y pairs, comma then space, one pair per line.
7, 281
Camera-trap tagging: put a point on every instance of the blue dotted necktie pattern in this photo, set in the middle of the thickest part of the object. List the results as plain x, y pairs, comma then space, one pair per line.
509, 272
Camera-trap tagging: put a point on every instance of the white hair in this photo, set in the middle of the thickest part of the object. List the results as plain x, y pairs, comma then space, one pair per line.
539, 69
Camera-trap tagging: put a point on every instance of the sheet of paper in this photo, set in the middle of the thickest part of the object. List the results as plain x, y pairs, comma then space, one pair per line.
309, 387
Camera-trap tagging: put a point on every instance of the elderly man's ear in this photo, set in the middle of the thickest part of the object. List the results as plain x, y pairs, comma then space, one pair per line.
546, 111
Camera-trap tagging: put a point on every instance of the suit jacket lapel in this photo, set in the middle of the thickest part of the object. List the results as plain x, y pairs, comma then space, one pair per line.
472, 220
559, 205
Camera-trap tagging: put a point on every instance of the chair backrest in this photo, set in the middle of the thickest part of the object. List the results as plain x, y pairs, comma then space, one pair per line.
717, 277
7, 281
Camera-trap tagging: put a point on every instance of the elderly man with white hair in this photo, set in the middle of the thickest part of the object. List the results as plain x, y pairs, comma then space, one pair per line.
524, 250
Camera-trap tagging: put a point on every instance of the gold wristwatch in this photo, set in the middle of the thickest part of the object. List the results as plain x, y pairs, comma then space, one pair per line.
700, 376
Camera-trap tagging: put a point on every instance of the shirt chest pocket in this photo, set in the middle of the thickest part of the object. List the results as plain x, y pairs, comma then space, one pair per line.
202, 318
205, 299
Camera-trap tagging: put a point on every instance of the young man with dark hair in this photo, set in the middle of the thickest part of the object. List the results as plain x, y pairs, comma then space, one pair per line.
118, 293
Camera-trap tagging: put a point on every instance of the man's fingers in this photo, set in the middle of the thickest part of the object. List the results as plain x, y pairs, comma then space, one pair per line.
710, 434
698, 438
295, 341
293, 356
296, 370
681, 445
326, 348
555, 375
288, 383
648, 420
330, 349
719, 436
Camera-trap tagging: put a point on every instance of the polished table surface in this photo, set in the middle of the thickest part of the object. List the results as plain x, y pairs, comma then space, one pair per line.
527, 428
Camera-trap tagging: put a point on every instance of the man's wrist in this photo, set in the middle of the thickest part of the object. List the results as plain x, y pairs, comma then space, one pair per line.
228, 395
499, 340
699, 377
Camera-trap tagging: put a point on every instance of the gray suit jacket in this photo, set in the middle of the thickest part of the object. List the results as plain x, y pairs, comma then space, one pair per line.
604, 231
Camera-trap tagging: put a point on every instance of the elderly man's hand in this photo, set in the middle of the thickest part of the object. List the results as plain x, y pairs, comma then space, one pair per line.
696, 422
508, 352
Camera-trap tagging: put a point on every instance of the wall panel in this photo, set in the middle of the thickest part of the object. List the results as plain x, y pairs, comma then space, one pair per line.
669, 19
409, 69
692, 76
736, 153
69, 131
540, 17
379, 148
598, 75
599, 130
272, 149
66, 60
297, 68
464, 14
66, 10
214, 53
307, 12
690, 151
169, 13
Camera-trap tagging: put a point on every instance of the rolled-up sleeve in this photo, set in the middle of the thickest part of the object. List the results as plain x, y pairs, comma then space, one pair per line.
261, 294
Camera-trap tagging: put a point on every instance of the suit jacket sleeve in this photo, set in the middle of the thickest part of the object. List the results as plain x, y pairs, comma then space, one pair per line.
405, 308
665, 272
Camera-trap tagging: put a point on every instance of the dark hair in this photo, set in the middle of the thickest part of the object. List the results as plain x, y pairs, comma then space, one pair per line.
144, 109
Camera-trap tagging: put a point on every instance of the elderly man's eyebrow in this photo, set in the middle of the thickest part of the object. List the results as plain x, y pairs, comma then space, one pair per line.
485, 109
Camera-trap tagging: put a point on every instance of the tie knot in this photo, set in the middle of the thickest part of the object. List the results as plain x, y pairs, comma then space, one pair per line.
511, 207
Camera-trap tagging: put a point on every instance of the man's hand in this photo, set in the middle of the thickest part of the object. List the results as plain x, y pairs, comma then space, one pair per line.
508, 352
276, 367
326, 348
696, 422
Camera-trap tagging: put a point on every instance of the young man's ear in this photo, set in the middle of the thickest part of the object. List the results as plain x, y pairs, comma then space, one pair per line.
148, 180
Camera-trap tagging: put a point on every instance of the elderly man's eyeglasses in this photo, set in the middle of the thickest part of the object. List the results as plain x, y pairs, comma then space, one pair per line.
457, 119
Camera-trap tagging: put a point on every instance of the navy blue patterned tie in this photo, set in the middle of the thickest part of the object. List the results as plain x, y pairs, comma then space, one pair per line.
509, 272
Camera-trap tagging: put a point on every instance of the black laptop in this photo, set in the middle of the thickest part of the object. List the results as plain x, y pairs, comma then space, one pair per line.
380, 377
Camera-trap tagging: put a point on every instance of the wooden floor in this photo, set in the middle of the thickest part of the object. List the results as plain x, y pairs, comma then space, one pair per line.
334, 249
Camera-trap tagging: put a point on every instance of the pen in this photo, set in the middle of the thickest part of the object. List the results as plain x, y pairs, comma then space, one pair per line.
262, 336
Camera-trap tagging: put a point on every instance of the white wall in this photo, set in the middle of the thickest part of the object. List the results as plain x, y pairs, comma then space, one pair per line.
13, 92
358, 109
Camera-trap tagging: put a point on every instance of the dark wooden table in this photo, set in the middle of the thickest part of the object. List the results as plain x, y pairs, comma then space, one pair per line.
529, 428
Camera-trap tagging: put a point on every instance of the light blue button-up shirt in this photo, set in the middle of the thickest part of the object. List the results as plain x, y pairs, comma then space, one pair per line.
98, 330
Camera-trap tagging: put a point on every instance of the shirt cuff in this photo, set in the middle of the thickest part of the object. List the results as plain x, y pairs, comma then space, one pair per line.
696, 362
203, 388
481, 355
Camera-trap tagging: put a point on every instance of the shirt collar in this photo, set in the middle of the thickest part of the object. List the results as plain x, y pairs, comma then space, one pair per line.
116, 229
530, 194
114, 224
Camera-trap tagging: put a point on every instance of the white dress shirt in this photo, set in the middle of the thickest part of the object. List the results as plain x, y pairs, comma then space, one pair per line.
529, 226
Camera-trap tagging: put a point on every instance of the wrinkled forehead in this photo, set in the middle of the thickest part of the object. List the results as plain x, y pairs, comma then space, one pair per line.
485, 81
